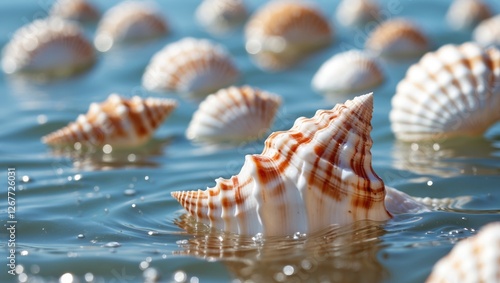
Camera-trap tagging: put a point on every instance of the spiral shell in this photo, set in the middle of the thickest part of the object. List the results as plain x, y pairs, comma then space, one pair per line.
191, 66
352, 71
221, 16
454, 91
234, 114
356, 12
397, 38
130, 21
487, 33
75, 10
466, 14
117, 121
316, 174
48, 48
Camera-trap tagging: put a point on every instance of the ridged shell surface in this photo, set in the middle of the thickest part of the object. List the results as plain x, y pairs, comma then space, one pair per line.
357, 12
348, 72
397, 38
192, 66
117, 121
476, 259
466, 14
454, 91
48, 48
487, 33
234, 114
130, 21
221, 16
75, 10
314, 175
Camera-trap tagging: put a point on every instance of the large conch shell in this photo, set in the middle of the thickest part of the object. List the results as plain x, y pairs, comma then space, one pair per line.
454, 91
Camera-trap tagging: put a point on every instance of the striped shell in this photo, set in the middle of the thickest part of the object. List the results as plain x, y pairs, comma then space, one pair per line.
454, 91
117, 121
397, 38
357, 12
48, 48
221, 16
234, 114
476, 259
75, 10
130, 21
316, 174
352, 71
466, 14
282, 32
191, 66
487, 33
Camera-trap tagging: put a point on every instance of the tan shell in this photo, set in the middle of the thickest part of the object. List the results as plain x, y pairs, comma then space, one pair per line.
487, 33
117, 121
221, 16
75, 10
356, 12
466, 14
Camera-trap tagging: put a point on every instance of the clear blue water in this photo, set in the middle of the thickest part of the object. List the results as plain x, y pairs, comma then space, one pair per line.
73, 207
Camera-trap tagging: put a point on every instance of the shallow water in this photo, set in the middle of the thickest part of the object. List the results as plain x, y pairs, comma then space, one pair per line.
110, 217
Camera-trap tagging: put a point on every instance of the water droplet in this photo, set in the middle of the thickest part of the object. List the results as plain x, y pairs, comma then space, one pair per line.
107, 149
41, 119
143, 265
77, 177
436, 147
194, 279
146, 178
23, 277
258, 238
153, 233
66, 278
89, 277
26, 178
77, 146
306, 264
35, 269
112, 245
180, 276
131, 157
288, 270
134, 205
429, 183
129, 192
24, 252
19, 268
70, 178
280, 277
414, 146
80, 236
150, 275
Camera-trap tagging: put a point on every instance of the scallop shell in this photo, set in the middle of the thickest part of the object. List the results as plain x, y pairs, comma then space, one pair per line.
487, 33
75, 10
466, 14
475, 259
234, 114
117, 121
130, 21
454, 91
221, 16
282, 32
192, 66
397, 38
352, 71
357, 12
48, 48
316, 174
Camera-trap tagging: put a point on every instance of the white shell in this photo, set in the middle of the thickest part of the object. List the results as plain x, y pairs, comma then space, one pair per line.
466, 14
75, 10
191, 66
352, 71
234, 114
221, 16
357, 12
487, 33
451, 92
48, 48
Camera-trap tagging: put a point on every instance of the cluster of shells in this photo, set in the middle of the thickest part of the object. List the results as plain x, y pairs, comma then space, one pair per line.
317, 173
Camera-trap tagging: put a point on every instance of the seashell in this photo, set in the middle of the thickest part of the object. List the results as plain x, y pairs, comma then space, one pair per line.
466, 14
192, 66
48, 48
117, 121
357, 12
352, 71
234, 114
397, 38
283, 32
487, 33
221, 16
130, 21
75, 10
453, 91
475, 259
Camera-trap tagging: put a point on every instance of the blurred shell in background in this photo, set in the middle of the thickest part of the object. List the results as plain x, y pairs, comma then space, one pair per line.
75, 10
357, 12
221, 16
466, 14
487, 33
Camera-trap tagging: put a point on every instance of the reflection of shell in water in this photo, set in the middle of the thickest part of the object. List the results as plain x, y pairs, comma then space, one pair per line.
465, 14
234, 114
193, 66
220, 16
397, 38
454, 91
348, 72
76, 10
356, 12
282, 32
316, 174
129, 21
48, 48
475, 259
117, 121
487, 33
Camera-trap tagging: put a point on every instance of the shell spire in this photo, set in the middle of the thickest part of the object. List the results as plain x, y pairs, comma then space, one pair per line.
314, 175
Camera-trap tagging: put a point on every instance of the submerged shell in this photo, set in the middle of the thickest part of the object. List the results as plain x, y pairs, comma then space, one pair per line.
487, 33
48, 48
348, 72
234, 114
192, 66
465, 14
357, 12
282, 32
117, 121
314, 175
220, 16
454, 91
75, 10
130, 21
397, 38
476, 259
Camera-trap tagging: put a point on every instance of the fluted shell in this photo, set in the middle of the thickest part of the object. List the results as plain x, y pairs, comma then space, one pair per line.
487, 33
234, 114
75, 10
314, 175
357, 12
48, 48
397, 38
192, 66
283, 32
476, 259
117, 121
221, 16
466, 14
130, 21
348, 72
454, 91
